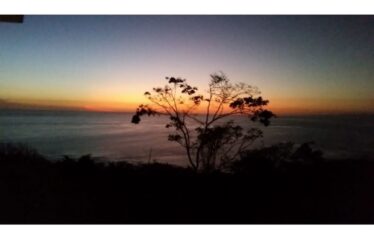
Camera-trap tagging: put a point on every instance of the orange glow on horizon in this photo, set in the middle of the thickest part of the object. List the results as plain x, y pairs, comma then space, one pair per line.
304, 106
280, 106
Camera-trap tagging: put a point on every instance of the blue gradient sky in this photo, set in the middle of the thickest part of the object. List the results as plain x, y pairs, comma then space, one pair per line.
302, 64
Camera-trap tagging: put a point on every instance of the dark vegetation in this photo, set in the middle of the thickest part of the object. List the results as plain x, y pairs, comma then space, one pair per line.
279, 184
211, 140
226, 181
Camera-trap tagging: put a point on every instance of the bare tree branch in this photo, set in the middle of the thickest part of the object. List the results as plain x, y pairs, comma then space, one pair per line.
207, 143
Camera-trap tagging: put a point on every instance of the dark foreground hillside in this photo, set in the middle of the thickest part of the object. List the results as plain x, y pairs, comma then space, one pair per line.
272, 185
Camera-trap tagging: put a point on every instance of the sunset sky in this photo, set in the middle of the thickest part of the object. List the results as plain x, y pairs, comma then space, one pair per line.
315, 64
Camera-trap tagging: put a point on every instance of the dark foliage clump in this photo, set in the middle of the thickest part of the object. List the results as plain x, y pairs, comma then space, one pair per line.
277, 157
278, 184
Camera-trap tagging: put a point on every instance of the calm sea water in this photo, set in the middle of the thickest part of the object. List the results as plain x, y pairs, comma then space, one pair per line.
112, 136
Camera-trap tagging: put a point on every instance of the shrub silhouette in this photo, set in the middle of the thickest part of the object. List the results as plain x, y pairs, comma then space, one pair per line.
282, 155
261, 189
209, 143
15, 153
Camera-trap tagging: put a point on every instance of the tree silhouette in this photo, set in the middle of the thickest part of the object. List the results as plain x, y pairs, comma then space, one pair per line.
198, 120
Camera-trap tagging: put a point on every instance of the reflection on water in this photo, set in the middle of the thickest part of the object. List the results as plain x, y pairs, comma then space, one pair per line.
111, 135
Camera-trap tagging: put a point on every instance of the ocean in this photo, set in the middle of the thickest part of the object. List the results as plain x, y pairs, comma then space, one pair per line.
112, 135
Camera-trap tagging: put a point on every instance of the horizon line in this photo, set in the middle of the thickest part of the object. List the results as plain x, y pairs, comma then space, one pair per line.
62, 109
